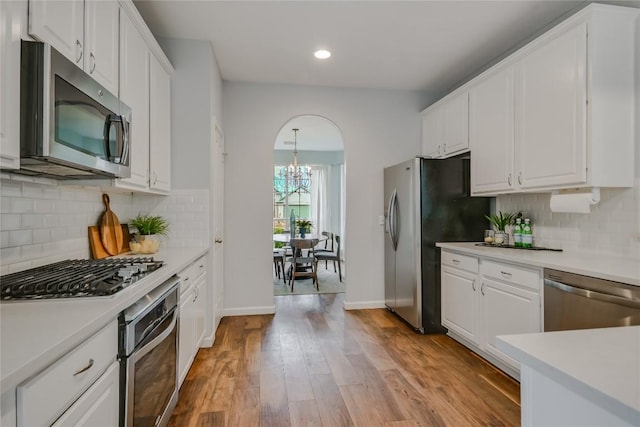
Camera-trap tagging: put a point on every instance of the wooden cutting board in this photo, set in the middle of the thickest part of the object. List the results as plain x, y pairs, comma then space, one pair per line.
110, 229
97, 250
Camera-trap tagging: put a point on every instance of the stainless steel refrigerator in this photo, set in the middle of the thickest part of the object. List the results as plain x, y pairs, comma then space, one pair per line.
426, 201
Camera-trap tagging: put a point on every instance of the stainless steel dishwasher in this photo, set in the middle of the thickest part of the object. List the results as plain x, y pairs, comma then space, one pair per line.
573, 301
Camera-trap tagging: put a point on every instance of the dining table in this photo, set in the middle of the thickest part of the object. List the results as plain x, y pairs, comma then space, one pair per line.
286, 237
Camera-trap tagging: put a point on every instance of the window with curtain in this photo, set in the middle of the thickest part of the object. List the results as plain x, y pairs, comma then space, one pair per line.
288, 196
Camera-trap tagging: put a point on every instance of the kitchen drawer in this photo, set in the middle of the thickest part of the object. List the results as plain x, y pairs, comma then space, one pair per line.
43, 398
189, 275
526, 277
462, 262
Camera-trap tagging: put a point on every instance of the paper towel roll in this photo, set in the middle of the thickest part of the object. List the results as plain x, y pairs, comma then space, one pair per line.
574, 202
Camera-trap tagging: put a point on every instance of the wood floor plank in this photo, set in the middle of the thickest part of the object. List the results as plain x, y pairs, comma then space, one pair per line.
274, 405
357, 401
333, 410
212, 419
313, 363
304, 413
245, 408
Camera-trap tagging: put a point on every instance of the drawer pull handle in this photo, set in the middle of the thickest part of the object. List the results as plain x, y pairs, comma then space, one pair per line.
473, 285
482, 288
506, 273
456, 261
85, 369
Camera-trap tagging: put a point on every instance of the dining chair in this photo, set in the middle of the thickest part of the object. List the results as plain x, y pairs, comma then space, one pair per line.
278, 264
300, 263
328, 245
331, 256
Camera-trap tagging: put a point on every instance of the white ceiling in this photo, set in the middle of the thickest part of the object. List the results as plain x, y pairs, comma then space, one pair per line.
402, 45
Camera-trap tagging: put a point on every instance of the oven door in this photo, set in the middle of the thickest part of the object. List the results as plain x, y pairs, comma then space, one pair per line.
151, 388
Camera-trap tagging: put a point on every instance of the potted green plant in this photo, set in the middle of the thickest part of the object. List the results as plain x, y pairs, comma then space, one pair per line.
149, 228
304, 226
500, 221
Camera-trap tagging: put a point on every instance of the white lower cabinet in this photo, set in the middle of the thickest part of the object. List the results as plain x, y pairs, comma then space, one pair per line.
505, 310
186, 338
77, 388
99, 405
459, 300
192, 315
482, 299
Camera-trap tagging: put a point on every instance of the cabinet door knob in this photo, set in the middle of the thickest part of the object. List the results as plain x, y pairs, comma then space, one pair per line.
78, 51
218, 240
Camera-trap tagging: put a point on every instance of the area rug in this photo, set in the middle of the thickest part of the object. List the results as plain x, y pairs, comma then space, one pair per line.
327, 279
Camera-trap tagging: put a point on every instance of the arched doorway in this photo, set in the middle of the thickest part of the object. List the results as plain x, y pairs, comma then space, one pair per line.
317, 193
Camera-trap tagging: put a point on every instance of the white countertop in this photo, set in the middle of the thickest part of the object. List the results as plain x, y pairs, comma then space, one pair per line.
618, 269
33, 334
602, 365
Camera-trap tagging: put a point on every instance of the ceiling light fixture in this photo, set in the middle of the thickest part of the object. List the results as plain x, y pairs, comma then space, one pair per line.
322, 54
297, 176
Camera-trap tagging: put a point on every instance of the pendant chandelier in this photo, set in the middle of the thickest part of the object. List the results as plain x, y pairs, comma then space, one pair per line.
298, 177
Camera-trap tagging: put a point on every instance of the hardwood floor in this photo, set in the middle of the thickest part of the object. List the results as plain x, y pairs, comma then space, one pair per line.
314, 364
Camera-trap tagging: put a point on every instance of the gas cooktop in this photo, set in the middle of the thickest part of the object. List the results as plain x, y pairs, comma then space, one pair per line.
76, 278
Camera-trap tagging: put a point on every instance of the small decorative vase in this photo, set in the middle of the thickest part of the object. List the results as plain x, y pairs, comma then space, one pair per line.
303, 232
145, 244
501, 238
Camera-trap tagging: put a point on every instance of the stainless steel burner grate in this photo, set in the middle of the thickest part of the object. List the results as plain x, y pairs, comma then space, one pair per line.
76, 278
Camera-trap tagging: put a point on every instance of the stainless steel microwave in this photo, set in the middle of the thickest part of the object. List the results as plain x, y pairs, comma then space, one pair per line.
70, 126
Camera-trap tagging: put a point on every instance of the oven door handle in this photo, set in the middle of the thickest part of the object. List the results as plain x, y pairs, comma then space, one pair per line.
147, 347
592, 294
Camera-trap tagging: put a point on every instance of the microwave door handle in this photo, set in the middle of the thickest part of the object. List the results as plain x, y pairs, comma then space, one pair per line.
124, 153
107, 135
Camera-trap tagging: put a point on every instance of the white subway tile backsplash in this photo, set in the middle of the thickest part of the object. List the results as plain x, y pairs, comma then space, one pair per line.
44, 221
10, 189
611, 227
41, 235
10, 221
20, 237
4, 239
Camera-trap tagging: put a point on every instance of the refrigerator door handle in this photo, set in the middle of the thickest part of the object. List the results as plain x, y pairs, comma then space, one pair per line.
395, 219
391, 220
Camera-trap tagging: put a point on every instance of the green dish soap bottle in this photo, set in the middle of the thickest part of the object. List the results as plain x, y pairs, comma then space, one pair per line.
517, 233
527, 235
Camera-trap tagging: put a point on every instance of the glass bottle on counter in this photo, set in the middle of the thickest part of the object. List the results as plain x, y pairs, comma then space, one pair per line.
527, 235
517, 233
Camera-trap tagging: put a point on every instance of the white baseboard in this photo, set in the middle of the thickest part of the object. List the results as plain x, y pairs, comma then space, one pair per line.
247, 311
363, 305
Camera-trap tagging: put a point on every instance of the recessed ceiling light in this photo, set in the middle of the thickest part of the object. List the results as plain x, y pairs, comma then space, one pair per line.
322, 54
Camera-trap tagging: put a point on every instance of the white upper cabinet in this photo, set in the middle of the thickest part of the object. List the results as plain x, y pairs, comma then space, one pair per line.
102, 34
566, 101
445, 126
134, 91
431, 122
160, 127
61, 24
12, 24
491, 133
86, 32
551, 106
455, 124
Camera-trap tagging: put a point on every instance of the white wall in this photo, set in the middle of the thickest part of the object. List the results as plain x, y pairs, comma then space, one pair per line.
195, 100
379, 128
